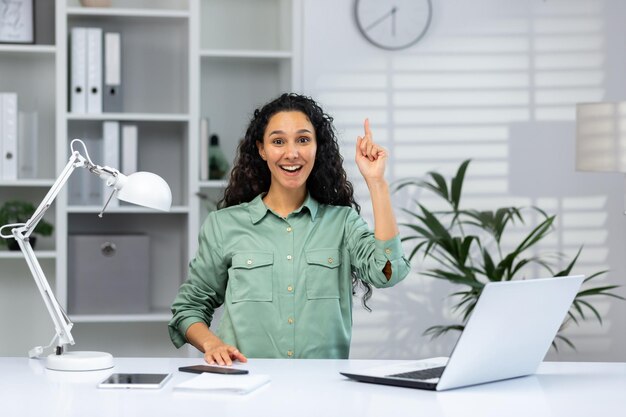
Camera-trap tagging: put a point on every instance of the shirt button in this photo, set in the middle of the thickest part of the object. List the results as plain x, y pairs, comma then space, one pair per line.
290, 288
290, 320
330, 260
289, 229
249, 262
288, 257
290, 353
387, 251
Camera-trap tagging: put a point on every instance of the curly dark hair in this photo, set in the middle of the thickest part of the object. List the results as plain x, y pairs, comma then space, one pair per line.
327, 183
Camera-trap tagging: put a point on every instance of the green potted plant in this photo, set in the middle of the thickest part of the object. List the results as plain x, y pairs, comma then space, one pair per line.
17, 211
466, 245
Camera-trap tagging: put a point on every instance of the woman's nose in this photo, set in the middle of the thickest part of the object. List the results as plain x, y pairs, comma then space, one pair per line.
291, 152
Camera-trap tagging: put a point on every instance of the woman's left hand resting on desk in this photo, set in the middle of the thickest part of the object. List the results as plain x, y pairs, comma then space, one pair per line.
215, 351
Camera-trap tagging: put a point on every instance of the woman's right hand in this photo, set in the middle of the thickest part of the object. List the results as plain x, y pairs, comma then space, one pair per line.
215, 351
222, 354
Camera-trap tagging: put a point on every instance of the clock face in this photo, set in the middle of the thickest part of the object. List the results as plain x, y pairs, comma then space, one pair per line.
393, 24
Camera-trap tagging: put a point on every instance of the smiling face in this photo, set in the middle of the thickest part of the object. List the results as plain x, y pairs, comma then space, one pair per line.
289, 147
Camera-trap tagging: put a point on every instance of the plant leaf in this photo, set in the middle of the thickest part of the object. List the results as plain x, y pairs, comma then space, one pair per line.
564, 340
437, 331
456, 185
569, 267
592, 308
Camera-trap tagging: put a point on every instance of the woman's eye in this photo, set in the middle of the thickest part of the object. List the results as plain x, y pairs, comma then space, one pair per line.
304, 139
277, 141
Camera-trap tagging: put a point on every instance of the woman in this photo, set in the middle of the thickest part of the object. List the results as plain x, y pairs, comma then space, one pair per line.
281, 252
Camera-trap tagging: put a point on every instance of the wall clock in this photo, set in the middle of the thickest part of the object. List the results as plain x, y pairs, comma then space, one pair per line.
393, 24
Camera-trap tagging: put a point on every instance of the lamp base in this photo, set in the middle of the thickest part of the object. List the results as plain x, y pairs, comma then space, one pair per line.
80, 361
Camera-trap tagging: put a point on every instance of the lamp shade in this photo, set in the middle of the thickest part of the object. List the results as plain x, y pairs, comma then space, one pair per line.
145, 189
601, 137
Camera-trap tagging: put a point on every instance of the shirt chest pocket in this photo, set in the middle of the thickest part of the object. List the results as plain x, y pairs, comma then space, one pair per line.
250, 276
322, 273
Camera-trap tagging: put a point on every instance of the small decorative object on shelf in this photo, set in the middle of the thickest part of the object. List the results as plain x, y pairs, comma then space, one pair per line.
95, 3
16, 21
218, 166
17, 212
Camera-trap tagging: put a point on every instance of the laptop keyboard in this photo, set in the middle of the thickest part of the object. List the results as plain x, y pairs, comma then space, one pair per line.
421, 374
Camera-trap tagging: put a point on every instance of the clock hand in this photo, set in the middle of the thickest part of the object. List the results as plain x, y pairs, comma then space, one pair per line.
393, 21
380, 19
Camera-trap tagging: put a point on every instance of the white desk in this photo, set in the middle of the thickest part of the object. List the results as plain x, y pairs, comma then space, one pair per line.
310, 388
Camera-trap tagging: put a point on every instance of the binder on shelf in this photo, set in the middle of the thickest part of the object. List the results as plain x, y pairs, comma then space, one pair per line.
9, 135
130, 143
85, 189
75, 189
78, 70
204, 149
28, 144
93, 186
110, 154
112, 94
94, 70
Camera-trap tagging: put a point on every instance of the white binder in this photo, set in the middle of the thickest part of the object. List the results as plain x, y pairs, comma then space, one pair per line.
78, 70
85, 189
112, 93
92, 187
111, 154
27, 144
9, 136
129, 149
94, 70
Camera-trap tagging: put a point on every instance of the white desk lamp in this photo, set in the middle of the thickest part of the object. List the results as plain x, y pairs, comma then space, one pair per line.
601, 137
141, 188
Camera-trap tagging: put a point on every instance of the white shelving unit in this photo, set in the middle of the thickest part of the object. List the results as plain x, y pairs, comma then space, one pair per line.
46, 254
28, 49
247, 52
155, 80
181, 61
131, 117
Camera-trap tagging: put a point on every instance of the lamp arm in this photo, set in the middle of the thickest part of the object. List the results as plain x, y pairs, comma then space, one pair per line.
76, 161
62, 323
112, 177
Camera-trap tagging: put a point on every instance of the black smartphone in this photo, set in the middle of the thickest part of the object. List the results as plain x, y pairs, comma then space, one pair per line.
198, 369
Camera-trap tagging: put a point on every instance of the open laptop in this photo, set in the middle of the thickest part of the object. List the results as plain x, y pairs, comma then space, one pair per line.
507, 336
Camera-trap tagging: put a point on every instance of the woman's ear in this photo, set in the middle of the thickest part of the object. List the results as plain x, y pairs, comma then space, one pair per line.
261, 149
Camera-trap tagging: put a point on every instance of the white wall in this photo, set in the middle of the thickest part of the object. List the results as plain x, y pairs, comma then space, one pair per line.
495, 81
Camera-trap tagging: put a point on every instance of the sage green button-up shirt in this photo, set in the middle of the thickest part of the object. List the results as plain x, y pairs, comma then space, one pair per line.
285, 283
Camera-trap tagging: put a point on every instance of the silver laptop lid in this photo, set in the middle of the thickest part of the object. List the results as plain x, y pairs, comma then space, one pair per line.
510, 330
